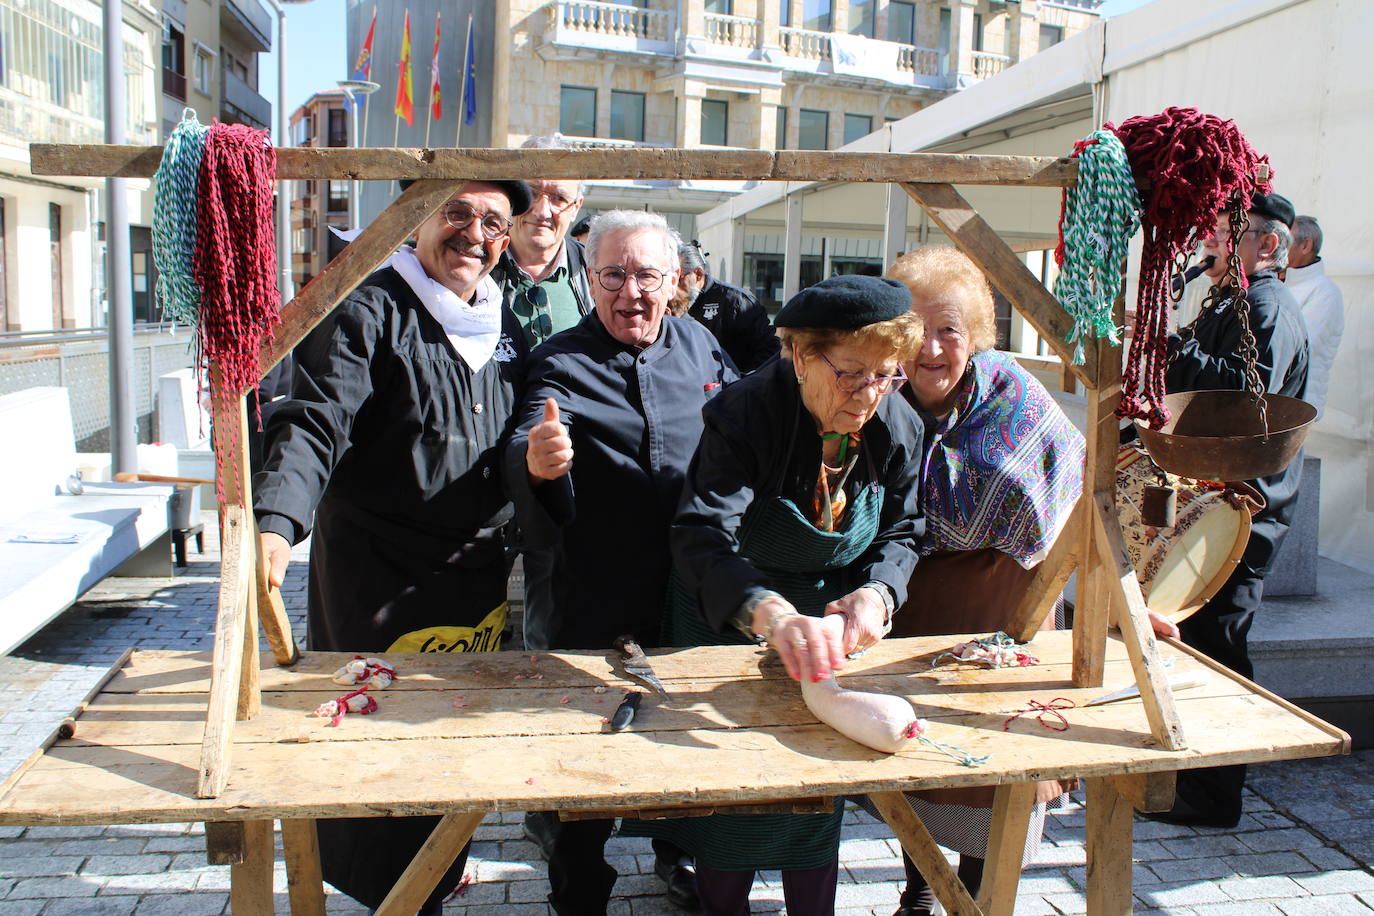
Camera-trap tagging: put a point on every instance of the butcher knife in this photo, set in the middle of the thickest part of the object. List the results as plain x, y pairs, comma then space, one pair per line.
635, 663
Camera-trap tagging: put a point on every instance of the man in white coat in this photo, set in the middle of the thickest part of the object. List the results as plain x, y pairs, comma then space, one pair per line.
1323, 307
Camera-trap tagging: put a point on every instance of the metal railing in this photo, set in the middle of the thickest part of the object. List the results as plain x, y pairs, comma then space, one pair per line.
614, 20
732, 31
242, 97
174, 84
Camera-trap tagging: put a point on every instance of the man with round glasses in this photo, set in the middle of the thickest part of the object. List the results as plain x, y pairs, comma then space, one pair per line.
609, 418
388, 446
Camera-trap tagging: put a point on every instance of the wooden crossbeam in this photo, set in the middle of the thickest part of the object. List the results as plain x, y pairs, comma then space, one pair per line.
975, 238
363, 255
293, 162
250, 881
921, 847
304, 883
1049, 580
1011, 809
422, 875
235, 578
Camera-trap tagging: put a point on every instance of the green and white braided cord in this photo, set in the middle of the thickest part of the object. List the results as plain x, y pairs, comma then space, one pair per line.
1101, 214
174, 220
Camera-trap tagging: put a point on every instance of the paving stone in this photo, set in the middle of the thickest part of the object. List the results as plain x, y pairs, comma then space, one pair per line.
1327, 859
163, 883
1068, 904
1267, 863
1281, 840
1326, 905
1207, 869
100, 846
125, 865
1193, 847
21, 907
1249, 908
39, 866
1191, 893
35, 888
1337, 882
96, 906
1259, 888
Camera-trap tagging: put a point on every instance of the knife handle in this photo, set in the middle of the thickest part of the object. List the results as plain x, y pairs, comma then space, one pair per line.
627, 646
625, 712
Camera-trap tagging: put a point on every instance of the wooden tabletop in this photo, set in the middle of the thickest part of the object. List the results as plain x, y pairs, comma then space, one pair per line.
526, 731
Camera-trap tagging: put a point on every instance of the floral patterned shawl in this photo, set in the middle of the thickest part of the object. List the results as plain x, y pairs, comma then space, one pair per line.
1004, 469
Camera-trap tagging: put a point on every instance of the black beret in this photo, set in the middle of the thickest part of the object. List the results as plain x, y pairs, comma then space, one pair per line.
581, 226
517, 192
845, 303
1273, 206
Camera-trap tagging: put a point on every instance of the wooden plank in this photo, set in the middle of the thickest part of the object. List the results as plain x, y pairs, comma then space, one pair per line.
249, 703
99, 160
1147, 791
922, 849
975, 238
276, 625
225, 843
250, 881
1048, 582
1092, 613
1110, 820
1011, 809
304, 881
377, 242
228, 653
667, 812
67, 727
422, 875
1133, 617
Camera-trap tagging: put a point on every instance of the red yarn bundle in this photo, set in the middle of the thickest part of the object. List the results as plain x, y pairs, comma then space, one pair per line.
1190, 164
236, 257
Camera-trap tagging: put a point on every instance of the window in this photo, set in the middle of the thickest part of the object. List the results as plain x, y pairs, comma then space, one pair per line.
715, 119
856, 126
577, 112
1050, 35
977, 31
338, 127
861, 17
627, 115
203, 71
785, 13
901, 21
59, 304
813, 129
4, 272
173, 49
719, 7
305, 189
780, 131
338, 196
816, 15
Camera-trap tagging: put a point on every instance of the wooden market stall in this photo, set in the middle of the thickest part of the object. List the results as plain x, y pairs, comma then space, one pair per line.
127, 755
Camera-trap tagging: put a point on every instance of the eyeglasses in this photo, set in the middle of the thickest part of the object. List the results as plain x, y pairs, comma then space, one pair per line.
613, 278
460, 216
854, 382
558, 204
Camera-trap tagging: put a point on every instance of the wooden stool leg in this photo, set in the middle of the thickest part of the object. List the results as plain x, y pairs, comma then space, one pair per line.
250, 882
1011, 808
304, 882
424, 871
923, 850
1109, 849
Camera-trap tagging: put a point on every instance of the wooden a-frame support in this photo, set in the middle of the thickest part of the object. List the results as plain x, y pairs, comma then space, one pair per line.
1108, 591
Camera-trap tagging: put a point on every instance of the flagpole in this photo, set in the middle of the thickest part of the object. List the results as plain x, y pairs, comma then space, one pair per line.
463, 86
433, 75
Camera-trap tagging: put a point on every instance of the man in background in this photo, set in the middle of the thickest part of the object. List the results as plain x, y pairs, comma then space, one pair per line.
732, 314
1323, 307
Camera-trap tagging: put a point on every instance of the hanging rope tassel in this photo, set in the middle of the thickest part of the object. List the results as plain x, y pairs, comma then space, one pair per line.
236, 259
1191, 163
177, 183
1097, 219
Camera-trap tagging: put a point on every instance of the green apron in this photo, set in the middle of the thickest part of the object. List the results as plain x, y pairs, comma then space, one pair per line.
805, 566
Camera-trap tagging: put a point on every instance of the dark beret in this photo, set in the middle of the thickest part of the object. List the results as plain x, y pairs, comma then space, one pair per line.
517, 192
845, 303
581, 226
1273, 206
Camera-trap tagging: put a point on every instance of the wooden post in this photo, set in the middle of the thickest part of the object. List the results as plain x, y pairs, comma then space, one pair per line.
250, 881
235, 577
1049, 580
224, 842
921, 847
1109, 849
1011, 808
422, 875
304, 882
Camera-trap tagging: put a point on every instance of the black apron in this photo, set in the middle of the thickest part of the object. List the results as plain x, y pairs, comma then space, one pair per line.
807, 567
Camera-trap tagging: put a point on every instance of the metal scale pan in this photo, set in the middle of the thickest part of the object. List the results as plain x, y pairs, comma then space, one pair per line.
1218, 435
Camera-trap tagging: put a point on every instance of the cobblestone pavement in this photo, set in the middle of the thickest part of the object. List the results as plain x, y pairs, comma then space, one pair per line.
1304, 848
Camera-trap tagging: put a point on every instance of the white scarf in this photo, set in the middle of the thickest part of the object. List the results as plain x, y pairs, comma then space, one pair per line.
473, 328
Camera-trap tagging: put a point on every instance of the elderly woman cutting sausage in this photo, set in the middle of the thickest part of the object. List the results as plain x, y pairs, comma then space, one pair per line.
798, 526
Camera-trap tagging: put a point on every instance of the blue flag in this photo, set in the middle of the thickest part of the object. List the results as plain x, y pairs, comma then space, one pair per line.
470, 85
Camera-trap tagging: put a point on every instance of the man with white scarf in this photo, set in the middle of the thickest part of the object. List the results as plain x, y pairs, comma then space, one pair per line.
390, 441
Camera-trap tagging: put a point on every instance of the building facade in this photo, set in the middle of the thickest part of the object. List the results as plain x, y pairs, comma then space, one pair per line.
317, 205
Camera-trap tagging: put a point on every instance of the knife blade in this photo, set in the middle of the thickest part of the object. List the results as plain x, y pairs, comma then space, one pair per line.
1176, 682
636, 665
625, 713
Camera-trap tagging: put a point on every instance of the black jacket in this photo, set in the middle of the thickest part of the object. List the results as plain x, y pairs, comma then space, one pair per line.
1209, 361
737, 320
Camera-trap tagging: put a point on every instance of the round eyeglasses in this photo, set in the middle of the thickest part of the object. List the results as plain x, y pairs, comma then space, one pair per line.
613, 278
460, 216
853, 382
558, 203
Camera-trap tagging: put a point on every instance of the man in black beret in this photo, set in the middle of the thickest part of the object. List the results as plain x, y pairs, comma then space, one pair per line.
388, 446
1206, 356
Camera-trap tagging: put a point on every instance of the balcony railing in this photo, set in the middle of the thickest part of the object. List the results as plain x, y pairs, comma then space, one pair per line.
613, 20
987, 65
921, 61
805, 44
250, 18
174, 84
732, 31
244, 102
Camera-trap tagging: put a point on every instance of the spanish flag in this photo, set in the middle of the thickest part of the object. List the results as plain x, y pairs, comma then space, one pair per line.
405, 95
436, 105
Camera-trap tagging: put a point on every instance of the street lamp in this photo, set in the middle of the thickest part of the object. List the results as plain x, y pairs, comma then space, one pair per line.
351, 88
285, 284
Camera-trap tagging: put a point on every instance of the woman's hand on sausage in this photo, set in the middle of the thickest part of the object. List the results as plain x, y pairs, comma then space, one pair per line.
549, 453
810, 647
864, 616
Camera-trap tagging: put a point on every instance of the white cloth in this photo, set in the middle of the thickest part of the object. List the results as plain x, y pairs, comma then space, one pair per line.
1323, 311
473, 328
860, 56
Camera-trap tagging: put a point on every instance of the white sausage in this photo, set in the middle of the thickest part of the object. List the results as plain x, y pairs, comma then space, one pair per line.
877, 720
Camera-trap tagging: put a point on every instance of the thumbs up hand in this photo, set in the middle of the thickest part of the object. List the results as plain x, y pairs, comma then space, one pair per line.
550, 452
